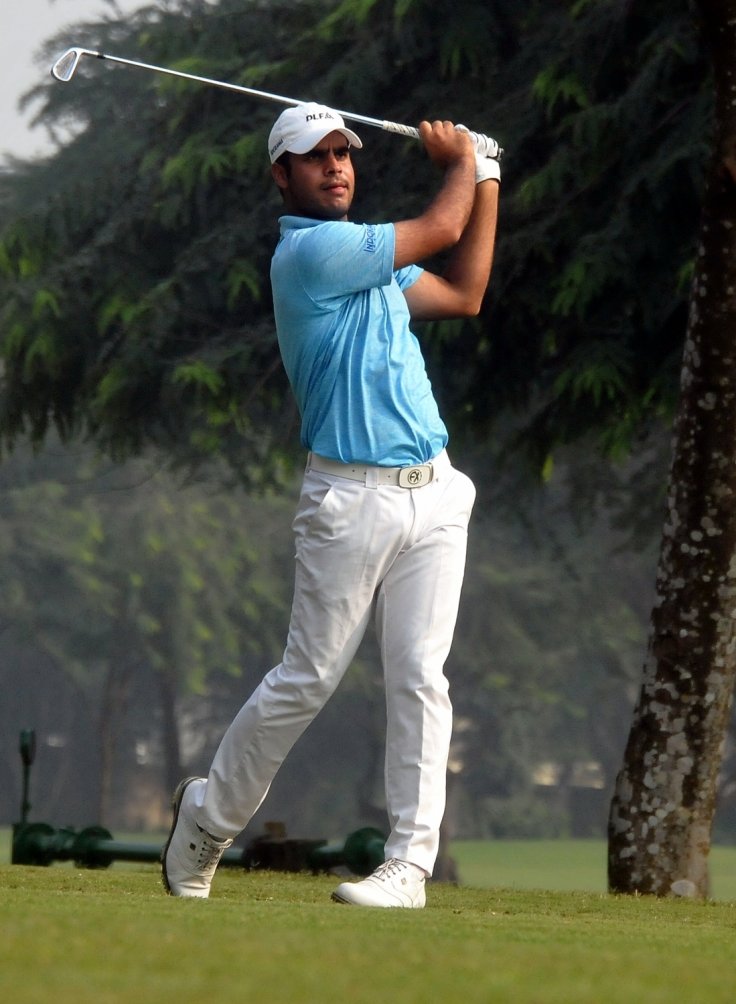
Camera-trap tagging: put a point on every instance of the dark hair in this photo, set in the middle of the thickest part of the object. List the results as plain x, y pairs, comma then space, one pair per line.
285, 161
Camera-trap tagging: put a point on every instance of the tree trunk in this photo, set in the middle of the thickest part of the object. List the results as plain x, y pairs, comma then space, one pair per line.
112, 711
170, 729
664, 800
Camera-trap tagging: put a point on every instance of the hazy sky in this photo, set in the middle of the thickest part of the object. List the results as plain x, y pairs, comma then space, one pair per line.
24, 26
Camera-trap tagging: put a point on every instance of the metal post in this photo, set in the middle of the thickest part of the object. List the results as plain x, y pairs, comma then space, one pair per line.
27, 755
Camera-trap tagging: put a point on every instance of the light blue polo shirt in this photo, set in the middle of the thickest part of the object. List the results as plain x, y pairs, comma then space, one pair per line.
355, 367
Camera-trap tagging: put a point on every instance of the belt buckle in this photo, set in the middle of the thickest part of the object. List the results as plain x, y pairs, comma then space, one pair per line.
415, 477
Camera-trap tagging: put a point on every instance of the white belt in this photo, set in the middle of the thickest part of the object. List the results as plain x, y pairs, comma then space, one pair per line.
405, 477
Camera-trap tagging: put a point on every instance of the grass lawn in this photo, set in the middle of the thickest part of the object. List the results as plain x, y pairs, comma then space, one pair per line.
78, 936
562, 865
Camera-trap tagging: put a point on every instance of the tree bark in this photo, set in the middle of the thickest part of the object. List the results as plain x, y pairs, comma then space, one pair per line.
113, 706
664, 800
170, 729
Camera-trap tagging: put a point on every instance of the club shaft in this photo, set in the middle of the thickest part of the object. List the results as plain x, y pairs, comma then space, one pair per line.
66, 65
394, 127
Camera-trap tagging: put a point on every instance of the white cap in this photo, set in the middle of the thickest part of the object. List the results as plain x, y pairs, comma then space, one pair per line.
299, 129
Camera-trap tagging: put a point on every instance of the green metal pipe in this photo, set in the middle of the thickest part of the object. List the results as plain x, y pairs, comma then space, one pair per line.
95, 847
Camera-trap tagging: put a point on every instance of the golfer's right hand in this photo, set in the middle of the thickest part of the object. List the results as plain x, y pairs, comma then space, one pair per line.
445, 144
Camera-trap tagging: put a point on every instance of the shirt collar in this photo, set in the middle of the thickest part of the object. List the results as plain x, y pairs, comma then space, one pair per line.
297, 223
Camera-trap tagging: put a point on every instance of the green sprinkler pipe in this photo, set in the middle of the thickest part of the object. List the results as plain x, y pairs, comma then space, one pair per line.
95, 847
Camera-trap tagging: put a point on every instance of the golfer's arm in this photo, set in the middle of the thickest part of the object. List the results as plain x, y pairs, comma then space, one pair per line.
442, 224
459, 291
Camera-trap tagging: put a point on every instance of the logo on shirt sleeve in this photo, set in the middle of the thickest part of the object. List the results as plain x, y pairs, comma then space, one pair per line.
370, 244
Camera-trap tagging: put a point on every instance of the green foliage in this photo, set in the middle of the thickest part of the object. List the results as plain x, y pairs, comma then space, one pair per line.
124, 593
199, 375
122, 582
346, 15
544, 664
552, 89
135, 261
135, 311
172, 563
147, 268
596, 371
606, 156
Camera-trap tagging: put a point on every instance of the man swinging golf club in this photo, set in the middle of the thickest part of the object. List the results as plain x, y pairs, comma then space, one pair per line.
381, 524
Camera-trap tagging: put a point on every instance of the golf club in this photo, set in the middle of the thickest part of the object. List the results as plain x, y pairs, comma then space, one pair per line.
66, 65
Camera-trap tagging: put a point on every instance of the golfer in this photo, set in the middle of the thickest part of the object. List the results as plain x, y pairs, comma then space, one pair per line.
381, 525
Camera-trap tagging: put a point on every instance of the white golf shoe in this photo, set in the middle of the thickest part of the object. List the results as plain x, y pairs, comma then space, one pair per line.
191, 855
394, 883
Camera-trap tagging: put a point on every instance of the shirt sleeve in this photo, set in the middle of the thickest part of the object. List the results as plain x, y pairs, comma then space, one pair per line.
339, 259
408, 275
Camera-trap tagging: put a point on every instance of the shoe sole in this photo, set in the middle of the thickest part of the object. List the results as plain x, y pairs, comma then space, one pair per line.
176, 805
372, 906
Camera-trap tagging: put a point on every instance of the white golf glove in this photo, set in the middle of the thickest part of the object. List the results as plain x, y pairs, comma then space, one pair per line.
486, 169
487, 156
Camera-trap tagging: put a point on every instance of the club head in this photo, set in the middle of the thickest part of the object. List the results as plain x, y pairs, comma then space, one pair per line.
66, 65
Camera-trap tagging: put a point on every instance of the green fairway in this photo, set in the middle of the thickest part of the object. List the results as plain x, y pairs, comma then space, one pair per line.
74, 937
555, 865
563, 865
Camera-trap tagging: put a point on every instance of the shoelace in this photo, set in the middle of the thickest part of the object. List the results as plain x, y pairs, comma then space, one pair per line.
209, 852
388, 869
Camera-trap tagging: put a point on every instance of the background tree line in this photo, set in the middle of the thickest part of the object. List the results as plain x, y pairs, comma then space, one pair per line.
139, 611
136, 311
149, 235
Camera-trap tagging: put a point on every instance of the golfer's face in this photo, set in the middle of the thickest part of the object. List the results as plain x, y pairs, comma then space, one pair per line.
322, 182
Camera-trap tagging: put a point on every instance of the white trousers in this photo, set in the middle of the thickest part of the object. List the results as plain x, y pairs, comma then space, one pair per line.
361, 550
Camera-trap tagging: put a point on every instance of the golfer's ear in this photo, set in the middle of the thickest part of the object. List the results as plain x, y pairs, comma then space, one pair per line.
279, 175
